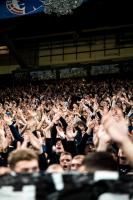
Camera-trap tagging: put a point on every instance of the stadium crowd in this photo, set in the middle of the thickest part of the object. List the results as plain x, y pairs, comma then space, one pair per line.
67, 125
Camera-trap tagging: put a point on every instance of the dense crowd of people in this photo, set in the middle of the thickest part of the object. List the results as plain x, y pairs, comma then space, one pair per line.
67, 125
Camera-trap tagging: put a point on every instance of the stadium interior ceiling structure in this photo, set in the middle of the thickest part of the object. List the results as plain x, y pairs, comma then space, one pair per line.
92, 17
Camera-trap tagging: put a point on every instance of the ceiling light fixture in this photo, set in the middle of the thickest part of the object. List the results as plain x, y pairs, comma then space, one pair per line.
4, 50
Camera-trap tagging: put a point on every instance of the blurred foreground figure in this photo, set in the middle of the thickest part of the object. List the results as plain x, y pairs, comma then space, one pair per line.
98, 161
23, 161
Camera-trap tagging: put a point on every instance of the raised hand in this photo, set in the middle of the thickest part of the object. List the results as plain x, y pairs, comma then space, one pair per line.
115, 125
7, 119
24, 144
103, 139
56, 117
36, 142
70, 133
60, 132
5, 136
118, 131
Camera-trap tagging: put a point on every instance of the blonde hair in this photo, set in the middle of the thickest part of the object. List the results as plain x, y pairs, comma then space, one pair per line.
54, 168
20, 155
79, 157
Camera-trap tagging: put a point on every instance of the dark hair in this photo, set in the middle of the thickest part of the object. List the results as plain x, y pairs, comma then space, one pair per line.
81, 122
100, 161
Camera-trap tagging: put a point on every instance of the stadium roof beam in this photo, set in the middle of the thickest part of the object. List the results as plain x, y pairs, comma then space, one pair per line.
19, 59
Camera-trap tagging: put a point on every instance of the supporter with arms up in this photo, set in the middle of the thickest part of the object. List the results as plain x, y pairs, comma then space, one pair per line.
117, 128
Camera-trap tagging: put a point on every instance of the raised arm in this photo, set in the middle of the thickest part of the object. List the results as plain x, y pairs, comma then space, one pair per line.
117, 129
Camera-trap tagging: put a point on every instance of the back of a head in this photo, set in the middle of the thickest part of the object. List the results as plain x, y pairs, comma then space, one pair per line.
99, 161
54, 168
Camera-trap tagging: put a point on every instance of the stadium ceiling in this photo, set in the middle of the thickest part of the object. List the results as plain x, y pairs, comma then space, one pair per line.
92, 15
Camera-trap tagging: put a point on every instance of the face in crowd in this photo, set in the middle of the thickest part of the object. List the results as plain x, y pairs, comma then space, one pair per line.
65, 161
23, 161
59, 147
77, 162
25, 166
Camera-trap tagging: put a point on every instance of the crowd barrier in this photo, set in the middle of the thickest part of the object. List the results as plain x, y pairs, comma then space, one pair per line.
97, 186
